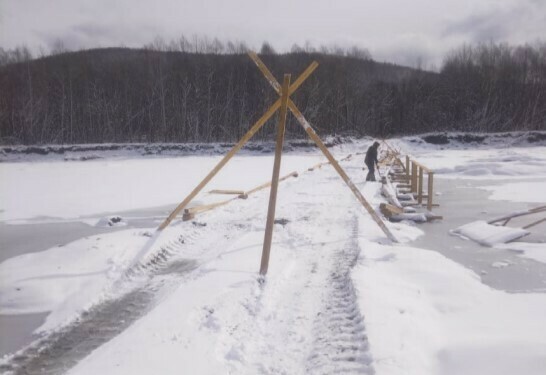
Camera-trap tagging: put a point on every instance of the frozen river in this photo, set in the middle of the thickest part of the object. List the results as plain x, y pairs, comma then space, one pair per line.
462, 201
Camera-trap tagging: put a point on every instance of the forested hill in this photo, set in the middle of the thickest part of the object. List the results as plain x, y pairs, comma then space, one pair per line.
142, 95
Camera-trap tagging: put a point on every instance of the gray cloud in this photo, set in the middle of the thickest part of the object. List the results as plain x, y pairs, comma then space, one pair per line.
393, 30
523, 20
480, 28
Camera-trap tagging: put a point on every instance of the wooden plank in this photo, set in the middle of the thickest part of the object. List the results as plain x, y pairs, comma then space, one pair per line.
388, 210
268, 236
206, 207
261, 121
421, 166
268, 184
518, 214
228, 192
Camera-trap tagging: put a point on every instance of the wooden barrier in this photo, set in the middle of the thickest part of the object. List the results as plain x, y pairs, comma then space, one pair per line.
257, 126
189, 213
414, 173
313, 135
283, 103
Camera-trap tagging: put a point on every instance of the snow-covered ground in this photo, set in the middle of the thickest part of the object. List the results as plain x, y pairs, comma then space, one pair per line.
338, 296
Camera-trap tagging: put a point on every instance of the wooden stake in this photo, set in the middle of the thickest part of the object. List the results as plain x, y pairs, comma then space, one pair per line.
430, 192
420, 189
413, 177
534, 223
237, 147
275, 178
309, 130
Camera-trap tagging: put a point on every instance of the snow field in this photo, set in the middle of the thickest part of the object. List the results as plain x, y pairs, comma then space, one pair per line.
428, 315
95, 187
223, 320
338, 297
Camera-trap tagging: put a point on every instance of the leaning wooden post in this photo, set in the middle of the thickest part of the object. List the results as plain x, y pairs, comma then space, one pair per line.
430, 192
275, 178
257, 126
311, 132
420, 188
407, 167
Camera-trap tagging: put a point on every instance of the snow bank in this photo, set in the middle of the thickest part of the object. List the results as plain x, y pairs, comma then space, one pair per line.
428, 315
488, 234
67, 279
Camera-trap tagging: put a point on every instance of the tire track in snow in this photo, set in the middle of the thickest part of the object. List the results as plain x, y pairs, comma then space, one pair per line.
132, 297
341, 345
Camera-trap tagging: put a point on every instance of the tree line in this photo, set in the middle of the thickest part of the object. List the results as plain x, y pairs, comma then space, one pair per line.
203, 90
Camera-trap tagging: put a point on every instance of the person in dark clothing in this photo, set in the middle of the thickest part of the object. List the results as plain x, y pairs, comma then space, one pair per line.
371, 161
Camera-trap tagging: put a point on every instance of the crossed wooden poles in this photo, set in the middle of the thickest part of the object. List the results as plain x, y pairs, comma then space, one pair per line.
284, 103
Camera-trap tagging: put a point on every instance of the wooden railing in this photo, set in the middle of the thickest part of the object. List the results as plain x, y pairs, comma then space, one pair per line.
415, 175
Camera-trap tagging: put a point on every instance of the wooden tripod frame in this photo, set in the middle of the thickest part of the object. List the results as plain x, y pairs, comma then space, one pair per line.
284, 103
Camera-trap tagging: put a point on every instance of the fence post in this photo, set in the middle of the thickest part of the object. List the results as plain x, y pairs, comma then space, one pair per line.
413, 177
420, 189
430, 192
275, 178
407, 167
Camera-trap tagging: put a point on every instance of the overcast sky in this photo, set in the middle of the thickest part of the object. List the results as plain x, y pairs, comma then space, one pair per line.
400, 31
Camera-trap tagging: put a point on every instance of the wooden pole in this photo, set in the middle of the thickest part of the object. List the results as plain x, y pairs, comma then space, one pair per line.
407, 167
534, 223
420, 189
309, 130
275, 178
237, 147
430, 192
413, 177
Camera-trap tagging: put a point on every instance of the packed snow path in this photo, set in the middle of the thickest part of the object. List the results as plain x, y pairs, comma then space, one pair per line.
341, 345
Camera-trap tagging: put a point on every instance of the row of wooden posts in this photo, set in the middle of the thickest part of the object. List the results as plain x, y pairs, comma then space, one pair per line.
415, 172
